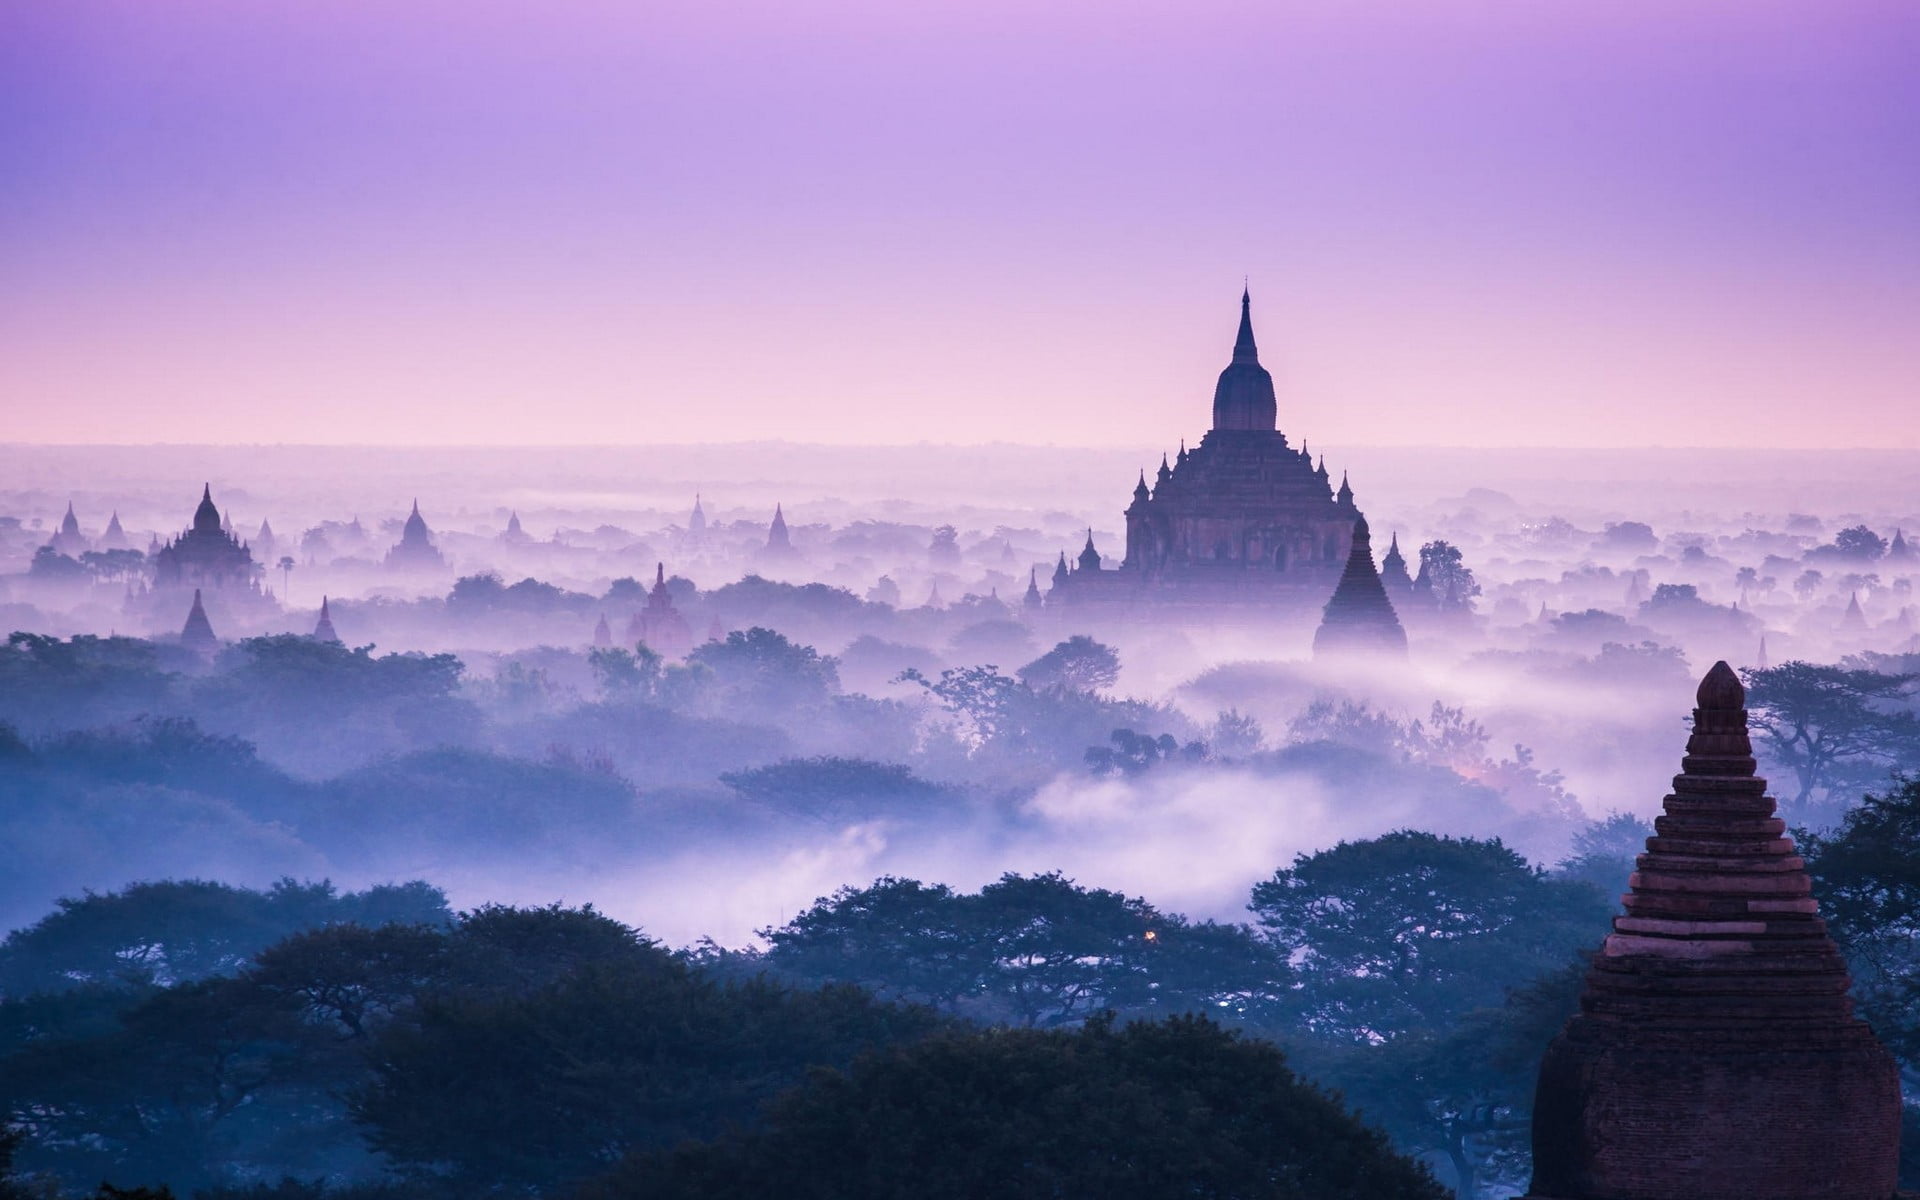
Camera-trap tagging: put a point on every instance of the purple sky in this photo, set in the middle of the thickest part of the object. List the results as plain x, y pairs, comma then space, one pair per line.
1568, 223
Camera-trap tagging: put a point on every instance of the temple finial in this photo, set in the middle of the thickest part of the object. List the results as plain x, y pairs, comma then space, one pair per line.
1244, 350
1721, 689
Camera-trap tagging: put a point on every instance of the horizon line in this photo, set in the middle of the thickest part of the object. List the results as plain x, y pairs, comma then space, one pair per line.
932, 445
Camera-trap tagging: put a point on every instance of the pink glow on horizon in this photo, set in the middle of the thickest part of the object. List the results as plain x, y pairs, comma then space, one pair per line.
1498, 224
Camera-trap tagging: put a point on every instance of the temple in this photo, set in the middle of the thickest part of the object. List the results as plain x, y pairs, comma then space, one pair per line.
115, 538
68, 539
660, 624
197, 634
206, 555
415, 550
1359, 619
1716, 1055
779, 542
1241, 518
323, 628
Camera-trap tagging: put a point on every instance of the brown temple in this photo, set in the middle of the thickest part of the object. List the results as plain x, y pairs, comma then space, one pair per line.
1716, 1055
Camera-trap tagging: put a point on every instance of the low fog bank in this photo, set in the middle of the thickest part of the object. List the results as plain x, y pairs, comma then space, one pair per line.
579, 690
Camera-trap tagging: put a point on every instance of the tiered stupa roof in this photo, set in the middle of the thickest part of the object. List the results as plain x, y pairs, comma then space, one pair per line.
1393, 570
323, 628
197, 634
1360, 617
1716, 1055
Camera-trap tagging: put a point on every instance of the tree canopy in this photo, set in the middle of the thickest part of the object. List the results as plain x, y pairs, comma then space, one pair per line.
1135, 1112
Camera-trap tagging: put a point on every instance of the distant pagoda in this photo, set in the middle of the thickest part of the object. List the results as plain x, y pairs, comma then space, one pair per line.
1393, 573
660, 625
115, 538
415, 550
68, 539
779, 541
1716, 1055
1360, 618
323, 628
205, 555
1898, 551
197, 634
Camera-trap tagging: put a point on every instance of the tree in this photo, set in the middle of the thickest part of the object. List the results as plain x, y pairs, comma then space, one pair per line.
832, 788
114, 566
1858, 541
625, 674
352, 977
530, 1091
1235, 734
1831, 727
1140, 1112
944, 551
760, 669
179, 1092
1454, 586
1408, 931
177, 931
1807, 583
897, 937
1746, 579
1465, 1093
1078, 664
1866, 873
1630, 535
1132, 753
1604, 852
1029, 950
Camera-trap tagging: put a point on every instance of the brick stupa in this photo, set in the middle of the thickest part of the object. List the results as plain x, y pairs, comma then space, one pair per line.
1716, 1055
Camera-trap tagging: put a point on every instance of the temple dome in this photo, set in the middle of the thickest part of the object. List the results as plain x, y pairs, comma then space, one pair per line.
1243, 399
206, 518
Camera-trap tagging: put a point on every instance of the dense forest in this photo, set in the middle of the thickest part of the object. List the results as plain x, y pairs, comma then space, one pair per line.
1384, 1006
1365, 1019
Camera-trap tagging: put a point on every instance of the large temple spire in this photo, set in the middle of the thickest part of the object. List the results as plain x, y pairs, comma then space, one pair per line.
1244, 351
1243, 399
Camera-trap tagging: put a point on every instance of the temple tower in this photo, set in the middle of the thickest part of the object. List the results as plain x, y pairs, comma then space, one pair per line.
779, 541
115, 538
1854, 620
1715, 1055
323, 628
1359, 619
415, 550
197, 634
1898, 551
1393, 572
1243, 397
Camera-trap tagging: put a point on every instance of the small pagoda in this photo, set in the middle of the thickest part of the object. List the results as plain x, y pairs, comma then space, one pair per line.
1359, 618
